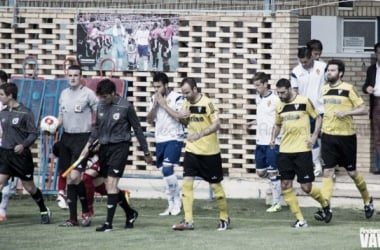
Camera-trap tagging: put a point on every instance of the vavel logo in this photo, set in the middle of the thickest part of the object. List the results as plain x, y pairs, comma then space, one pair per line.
369, 238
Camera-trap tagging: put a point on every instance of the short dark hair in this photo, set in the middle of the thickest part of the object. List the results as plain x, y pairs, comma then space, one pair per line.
189, 80
3, 76
304, 52
10, 89
160, 77
376, 46
314, 44
339, 63
76, 67
105, 87
260, 76
283, 83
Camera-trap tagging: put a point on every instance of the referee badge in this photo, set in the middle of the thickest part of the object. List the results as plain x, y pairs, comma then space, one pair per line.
15, 120
116, 116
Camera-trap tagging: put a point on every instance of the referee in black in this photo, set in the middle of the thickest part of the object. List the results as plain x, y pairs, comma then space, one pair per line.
19, 133
114, 120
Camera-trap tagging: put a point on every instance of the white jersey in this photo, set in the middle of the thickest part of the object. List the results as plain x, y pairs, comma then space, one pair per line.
167, 128
310, 82
265, 115
142, 37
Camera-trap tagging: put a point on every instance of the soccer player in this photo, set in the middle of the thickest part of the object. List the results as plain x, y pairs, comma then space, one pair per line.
266, 156
169, 133
316, 48
19, 133
295, 158
114, 119
202, 156
77, 104
307, 78
342, 102
372, 88
6, 190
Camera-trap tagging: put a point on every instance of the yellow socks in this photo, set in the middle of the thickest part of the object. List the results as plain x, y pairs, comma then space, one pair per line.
291, 199
316, 194
188, 199
327, 187
220, 198
362, 187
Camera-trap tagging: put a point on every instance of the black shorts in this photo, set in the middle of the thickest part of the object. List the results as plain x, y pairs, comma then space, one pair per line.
339, 150
18, 165
70, 148
300, 164
113, 158
208, 167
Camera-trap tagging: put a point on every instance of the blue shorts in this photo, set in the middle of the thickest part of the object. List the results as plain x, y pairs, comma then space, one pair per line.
168, 152
266, 157
143, 50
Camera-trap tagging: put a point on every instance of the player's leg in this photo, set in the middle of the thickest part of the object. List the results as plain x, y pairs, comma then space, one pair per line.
210, 168
88, 179
4, 202
190, 170
171, 154
272, 169
36, 194
286, 168
112, 160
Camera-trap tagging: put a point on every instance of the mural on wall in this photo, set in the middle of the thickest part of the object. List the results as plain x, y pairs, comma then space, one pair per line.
134, 42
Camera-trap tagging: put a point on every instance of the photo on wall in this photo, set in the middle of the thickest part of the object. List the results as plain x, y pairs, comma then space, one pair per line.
134, 42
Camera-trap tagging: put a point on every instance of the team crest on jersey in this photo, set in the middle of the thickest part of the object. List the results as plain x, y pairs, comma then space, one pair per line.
340, 92
116, 116
296, 106
15, 120
199, 109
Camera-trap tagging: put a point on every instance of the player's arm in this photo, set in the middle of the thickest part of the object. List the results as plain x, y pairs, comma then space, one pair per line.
215, 126
317, 129
153, 111
275, 132
362, 109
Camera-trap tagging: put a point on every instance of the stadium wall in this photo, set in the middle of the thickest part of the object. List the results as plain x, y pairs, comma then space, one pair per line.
220, 49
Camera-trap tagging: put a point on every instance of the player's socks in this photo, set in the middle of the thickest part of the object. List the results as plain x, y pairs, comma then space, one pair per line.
111, 207
81, 189
123, 203
61, 182
362, 187
327, 187
72, 201
39, 199
220, 198
276, 189
188, 199
316, 194
101, 189
90, 190
291, 199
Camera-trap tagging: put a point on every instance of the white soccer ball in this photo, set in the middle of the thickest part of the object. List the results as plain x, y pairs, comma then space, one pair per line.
49, 124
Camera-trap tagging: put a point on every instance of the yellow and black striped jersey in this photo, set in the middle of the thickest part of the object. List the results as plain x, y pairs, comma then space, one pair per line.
294, 118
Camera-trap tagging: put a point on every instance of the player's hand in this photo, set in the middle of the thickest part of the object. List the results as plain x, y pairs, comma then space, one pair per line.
160, 99
310, 142
194, 137
148, 159
272, 143
370, 90
339, 114
19, 149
